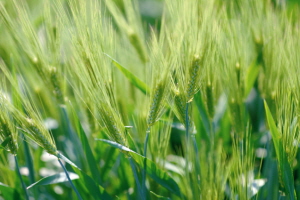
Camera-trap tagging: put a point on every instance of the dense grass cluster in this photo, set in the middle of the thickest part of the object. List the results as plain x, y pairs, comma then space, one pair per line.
149, 99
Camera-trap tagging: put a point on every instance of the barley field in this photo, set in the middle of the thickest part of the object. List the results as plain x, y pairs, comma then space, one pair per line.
149, 99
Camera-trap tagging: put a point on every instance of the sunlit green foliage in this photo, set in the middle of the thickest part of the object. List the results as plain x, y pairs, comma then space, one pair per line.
150, 99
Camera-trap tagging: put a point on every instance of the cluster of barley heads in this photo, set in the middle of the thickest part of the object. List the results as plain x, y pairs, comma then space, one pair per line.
200, 103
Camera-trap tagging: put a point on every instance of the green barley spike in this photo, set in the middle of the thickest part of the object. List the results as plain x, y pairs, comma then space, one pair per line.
180, 106
56, 85
238, 73
7, 132
155, 104
237, 119
210, 99
39, 136
193, 78
115, 130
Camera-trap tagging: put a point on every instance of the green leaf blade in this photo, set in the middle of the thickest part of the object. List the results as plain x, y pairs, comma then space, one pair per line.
131, 77
94, 189
203, 113
87, 150
160, 176
54, 179
284, 166
251, 77
60, 156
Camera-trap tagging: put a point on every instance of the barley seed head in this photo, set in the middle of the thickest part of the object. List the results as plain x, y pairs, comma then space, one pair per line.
193, 78
7, 128
157, 103
8, 132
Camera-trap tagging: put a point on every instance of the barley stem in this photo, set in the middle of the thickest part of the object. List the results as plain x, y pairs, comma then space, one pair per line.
187, 122
140, 191
28, 160
145, 161
21, 179
198, 167
187, 139
68, 177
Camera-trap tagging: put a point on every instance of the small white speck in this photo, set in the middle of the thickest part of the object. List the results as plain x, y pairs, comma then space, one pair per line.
261, 153
46, 172
24, 171
46, 157
58, 190
50, 123
130, 191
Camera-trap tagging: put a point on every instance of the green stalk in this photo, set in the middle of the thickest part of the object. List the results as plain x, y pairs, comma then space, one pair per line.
21, 179
68, 177
140, 191
198, 168
145, 161
187, 139
187, 123
29, 162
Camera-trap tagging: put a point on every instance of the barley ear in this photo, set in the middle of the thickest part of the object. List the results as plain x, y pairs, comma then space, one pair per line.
56, 85
40, 135
156, 103
180, 108
237, 117
34, 129
210, 99
8, 131
113, 125
193, 78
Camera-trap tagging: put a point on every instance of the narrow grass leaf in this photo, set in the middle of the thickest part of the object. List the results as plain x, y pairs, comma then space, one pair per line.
284, 166
60, 156
75, 144
56, 178
116, 145
17, 169
97, 191
220, 110
70, 180
29, 161
159, 196
136, 177
160, 176
197, 161
88, 151
131, 77
270, 171
203, 113
251, 76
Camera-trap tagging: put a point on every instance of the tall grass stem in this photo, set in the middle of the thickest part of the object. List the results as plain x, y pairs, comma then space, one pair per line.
145, 161
187, 139
198, 168
70, 181
140, 190
21, 179
29, 162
